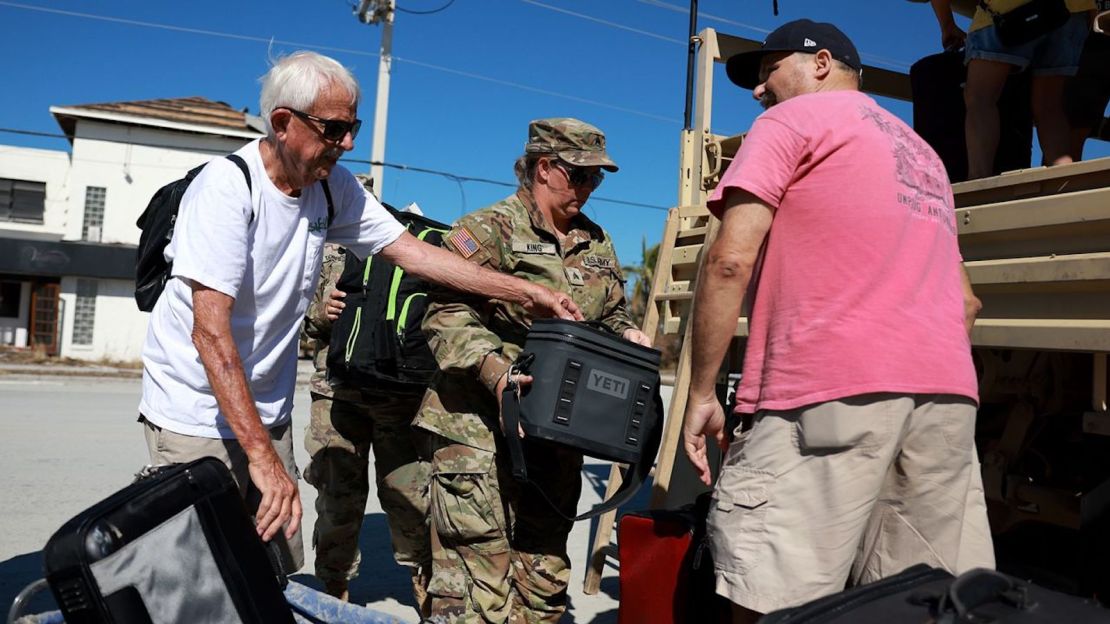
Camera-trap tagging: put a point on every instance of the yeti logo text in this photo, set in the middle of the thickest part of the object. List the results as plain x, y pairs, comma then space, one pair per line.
608, 384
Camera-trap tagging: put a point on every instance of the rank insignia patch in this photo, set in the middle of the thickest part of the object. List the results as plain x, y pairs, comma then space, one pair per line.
574, 276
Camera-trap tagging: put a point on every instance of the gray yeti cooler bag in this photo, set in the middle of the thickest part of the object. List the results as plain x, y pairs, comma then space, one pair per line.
592, 391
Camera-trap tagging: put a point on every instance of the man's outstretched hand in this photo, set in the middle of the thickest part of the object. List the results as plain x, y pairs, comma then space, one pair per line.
542, 302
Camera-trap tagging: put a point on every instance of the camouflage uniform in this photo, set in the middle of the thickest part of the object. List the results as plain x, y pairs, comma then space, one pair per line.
498, 551
345, 424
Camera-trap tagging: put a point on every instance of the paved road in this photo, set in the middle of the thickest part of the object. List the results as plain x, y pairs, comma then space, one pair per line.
69, 442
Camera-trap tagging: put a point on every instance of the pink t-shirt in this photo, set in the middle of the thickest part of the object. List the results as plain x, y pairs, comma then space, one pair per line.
859, 287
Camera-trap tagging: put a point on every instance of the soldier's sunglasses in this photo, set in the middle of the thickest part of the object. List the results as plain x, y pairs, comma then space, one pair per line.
333, 129
581, 176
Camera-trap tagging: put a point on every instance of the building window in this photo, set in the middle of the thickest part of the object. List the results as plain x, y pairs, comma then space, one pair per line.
22, 201
94, 213
84, 312
10, 293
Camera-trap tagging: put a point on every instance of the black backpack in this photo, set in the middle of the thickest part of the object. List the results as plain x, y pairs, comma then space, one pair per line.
377, 342
152, 270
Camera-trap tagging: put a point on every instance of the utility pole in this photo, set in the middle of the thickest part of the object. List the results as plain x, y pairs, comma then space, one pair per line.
373, 12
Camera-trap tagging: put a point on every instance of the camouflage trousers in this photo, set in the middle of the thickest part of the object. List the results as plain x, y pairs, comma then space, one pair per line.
339, 440
499, 553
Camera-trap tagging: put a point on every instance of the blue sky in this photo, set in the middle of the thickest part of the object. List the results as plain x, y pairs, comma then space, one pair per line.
466, 80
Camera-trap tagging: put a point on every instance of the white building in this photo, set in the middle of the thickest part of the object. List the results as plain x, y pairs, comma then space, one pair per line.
67, 219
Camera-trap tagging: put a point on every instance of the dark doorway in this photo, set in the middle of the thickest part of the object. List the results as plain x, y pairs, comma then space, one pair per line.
45, 304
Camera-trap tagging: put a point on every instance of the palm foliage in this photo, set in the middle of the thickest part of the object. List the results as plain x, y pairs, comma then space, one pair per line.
644, 274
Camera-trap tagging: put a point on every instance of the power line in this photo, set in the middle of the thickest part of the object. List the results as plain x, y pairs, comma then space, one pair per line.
271, 41
462, 178
182, 29
459, 179
412, 12
52, 135
881, 60
604, 22
671, 7
715, 18
525, 87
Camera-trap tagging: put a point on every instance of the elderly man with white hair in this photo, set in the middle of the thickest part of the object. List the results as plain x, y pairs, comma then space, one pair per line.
220, 358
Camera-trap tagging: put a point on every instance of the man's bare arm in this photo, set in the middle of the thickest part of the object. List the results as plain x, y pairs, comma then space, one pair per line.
722, 282
224, 368
443, 267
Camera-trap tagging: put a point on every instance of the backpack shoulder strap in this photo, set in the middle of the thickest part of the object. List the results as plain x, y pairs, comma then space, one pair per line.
331, 206
242, 164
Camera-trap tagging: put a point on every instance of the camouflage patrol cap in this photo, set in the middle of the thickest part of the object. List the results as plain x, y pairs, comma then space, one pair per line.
574, 142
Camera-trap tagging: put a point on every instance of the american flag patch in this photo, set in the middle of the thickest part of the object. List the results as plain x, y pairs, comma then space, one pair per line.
464, 241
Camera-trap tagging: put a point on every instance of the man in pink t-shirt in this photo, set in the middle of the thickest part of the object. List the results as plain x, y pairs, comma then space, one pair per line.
838, 226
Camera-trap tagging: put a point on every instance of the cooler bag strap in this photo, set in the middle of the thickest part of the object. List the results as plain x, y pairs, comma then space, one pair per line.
633, 476
510, 416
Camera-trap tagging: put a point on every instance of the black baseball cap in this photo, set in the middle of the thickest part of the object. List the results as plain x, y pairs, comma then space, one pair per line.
798, 36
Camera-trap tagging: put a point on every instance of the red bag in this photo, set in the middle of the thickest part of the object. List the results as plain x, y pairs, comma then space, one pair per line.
666, 571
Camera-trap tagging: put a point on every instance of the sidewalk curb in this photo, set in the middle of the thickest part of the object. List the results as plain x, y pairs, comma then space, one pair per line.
92, 371
46, 370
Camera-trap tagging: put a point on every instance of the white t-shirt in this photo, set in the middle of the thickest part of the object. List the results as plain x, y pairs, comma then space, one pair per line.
270, 265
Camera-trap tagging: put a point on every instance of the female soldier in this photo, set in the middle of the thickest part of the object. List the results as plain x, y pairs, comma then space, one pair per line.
497, 549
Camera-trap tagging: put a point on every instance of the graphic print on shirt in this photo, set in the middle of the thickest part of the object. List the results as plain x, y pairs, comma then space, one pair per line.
924, 183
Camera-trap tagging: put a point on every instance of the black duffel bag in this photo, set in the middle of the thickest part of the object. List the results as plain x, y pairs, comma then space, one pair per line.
593, 392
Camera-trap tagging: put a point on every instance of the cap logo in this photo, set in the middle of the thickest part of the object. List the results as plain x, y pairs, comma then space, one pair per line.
809, 43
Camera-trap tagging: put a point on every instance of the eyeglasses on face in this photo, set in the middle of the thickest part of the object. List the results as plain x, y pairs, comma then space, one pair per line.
581, 176
333, 129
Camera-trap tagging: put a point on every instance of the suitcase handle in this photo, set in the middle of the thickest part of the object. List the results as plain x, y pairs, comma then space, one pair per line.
976, 588
24, 597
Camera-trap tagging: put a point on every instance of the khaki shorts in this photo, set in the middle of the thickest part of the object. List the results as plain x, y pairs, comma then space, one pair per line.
168, 447
850, 490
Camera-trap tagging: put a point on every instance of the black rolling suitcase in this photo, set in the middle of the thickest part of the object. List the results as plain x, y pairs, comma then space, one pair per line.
924, 595
178, 546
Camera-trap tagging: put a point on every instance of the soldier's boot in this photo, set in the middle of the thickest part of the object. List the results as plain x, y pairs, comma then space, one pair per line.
338, 589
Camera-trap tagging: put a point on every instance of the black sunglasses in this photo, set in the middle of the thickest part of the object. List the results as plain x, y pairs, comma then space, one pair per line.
581, 176
334, 129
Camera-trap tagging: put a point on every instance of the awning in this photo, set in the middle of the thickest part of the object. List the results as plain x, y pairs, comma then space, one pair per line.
66, 258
